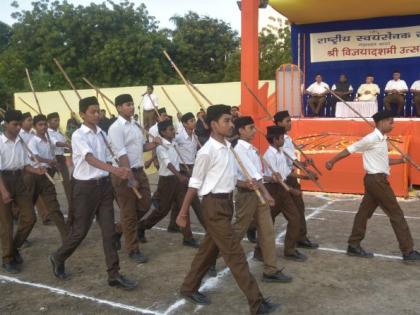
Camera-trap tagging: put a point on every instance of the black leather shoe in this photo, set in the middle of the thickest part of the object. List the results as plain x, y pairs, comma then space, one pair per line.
258, 255
266, 307
26, 244
121, 282
138, 257
212, 272
11, 267
358, 252
142, 236
279, 276
297, 256
117, 240
252, 236
173, 229
196, 298
308, 244
17, 258
413, 256
191, 243
58, 269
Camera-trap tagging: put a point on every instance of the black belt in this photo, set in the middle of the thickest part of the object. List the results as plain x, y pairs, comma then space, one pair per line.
148, 110
378, 174
245, 190
136, 169
219, 196
95, 181
12, 172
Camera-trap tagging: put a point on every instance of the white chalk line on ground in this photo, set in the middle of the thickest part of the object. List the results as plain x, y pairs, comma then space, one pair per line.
354, 212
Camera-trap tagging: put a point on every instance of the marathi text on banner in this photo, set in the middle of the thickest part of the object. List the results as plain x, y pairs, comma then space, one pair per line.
390, 43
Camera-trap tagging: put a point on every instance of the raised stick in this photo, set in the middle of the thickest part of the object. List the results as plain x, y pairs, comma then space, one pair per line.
67, 78
154, 107
65, 101
200, 93
405, 156
170, 100
33, 90
27, 104
272, 117
248, 177
184, 80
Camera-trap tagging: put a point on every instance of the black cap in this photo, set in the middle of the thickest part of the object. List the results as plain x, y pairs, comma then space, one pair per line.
123, 98
162, 110
13, 115
279, 116
187, 117
243, 121
275, 131
52, 115
382, 115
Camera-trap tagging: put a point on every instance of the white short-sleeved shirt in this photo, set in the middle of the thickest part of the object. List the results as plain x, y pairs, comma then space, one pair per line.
318, 88
278, 162
154, 132
372, 88
12, 154
250, 160
374, 147
398, 85
83, 141
416, 86
26, 136
187, 146
290, 149
148, 104
166, 154
215, 169
57, 136
42, 148
126, 138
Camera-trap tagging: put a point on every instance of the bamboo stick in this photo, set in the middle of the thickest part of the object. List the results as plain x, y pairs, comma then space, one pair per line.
27, 104
67, 78
33, 90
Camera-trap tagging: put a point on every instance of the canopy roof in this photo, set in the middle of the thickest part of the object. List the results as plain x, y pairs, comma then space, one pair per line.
317, 11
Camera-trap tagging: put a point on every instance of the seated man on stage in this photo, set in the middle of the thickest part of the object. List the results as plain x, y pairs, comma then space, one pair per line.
415, 89
317, 91
395, 91
369, 91
343, 89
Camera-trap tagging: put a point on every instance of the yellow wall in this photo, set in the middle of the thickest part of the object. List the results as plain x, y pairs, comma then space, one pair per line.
226, 93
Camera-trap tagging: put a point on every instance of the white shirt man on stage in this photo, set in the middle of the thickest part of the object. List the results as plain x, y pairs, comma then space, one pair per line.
395, 91
369, 91
317, 90
415, 89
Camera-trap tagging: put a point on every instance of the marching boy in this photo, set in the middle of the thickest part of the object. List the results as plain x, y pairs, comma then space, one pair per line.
92, 195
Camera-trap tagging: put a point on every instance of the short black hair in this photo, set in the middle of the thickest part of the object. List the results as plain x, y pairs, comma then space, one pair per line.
236, 107
84, 103
13, 115
214, 113
39, 118
370, 75
163, 125
396, 71
150, 86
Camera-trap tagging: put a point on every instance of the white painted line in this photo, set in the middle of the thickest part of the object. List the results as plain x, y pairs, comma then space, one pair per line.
81, 296
354, 212
341, 251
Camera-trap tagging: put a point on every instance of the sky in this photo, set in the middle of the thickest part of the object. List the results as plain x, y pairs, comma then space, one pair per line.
163, 10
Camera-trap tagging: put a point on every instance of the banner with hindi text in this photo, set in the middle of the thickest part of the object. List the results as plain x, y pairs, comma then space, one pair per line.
387, 43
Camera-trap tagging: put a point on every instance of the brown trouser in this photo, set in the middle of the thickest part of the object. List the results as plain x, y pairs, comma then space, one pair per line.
92, 198
149, 118
132, 208
247, 208
220, 237
397, 99
42, 187
26, 215
378, 192
300, 204
417, 104
170, 191
316, 103
284, 203
64, 171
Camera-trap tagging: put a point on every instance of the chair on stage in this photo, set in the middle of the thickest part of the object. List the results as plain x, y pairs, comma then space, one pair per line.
308, 110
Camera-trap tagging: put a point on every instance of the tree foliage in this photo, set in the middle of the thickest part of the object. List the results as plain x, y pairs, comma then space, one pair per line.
119, 44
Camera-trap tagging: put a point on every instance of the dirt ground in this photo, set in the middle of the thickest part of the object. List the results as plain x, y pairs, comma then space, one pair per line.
329, 282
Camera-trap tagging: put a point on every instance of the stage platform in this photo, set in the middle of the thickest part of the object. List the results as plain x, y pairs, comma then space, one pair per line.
347, 176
